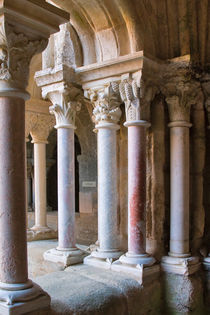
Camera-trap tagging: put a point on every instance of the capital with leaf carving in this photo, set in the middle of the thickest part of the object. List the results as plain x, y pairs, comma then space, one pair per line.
41, 129
137, 95
106, 104
180, 87
67, 101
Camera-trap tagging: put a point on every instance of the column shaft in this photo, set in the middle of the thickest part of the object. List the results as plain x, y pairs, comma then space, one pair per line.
66, 189
107, 188
40, 184
13, 249
179, 230
136, 190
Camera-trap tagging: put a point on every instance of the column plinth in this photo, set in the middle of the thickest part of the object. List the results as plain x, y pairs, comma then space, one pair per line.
107, 197
136, 260
179, 259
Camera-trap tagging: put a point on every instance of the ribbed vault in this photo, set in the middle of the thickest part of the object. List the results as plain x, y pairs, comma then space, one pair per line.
163, 28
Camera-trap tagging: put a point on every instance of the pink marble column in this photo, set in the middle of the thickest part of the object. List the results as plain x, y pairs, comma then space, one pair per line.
137, 195
14, 283
13, 252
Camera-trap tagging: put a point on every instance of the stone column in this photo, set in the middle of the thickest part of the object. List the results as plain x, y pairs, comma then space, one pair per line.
65, 110
40, 133
206, 89
106, 116
179, 259
137, 128
20, 39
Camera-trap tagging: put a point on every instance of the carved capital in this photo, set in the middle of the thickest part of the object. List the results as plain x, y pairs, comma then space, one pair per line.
66, 103
180, 97
106, 103
16, 51
24, 31
137, 95
30, 122
41, 129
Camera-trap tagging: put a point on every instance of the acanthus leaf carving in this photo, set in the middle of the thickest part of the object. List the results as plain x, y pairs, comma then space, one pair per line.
180, 96
181, 88
41, 129
106, 103
66, 104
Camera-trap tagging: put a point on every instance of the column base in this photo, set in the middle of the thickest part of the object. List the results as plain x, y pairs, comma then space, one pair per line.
22, 298
140, 273
41, 233
141, 267
180, 265
102, 259
144, 259
206, 263
66, 257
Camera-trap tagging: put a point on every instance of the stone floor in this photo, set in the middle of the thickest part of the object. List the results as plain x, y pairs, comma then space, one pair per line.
82, 289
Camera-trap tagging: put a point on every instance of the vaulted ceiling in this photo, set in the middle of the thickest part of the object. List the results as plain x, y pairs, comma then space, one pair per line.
162, 28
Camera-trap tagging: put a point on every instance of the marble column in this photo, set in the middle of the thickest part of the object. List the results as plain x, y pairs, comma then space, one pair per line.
20, 38
106, 115
66, 253
40, 186
136, 259
15, 287
40, 132
136, 254
179, 259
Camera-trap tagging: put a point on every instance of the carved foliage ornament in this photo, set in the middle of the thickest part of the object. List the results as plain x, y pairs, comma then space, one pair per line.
41, 129
65, 112
16, 51
136, 95
106, 102
180, 96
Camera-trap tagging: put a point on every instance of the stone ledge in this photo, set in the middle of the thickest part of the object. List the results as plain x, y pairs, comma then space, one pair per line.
86, 290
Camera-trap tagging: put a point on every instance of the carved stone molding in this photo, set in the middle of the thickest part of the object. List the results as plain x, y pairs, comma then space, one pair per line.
41, 129
106, 102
